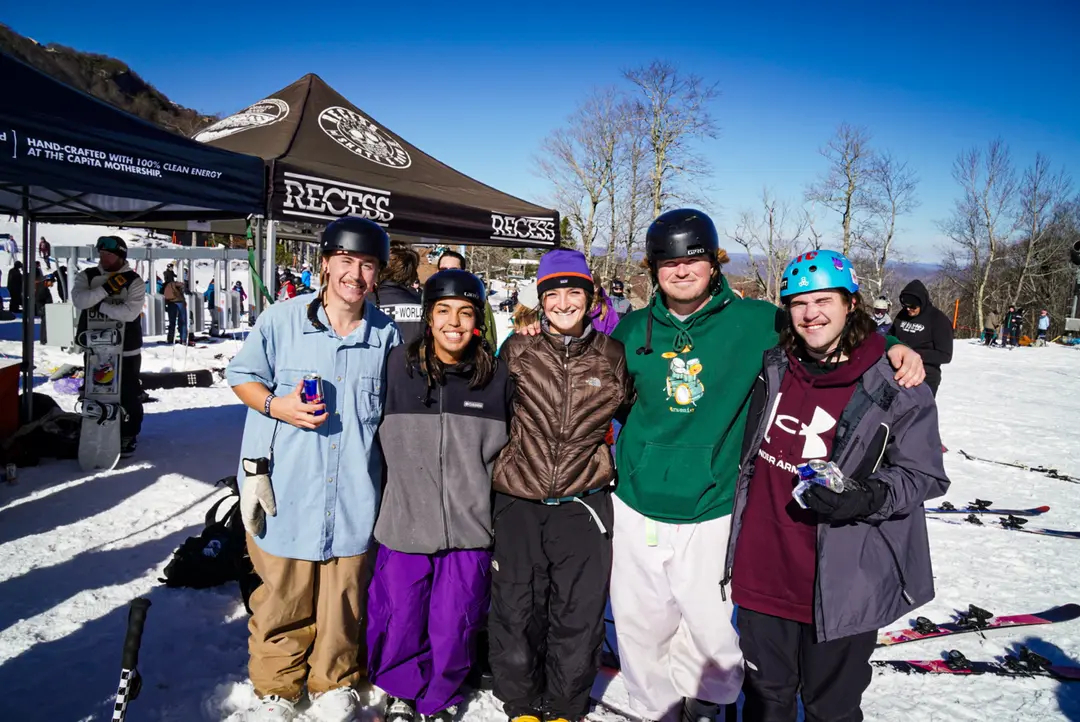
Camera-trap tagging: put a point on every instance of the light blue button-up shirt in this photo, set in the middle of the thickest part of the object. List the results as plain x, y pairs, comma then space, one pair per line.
327, 481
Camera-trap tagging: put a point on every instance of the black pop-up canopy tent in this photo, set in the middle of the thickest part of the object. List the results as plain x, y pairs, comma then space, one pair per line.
66, 157
327, 158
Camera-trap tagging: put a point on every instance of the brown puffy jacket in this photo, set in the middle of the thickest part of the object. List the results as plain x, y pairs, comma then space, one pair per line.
566, 396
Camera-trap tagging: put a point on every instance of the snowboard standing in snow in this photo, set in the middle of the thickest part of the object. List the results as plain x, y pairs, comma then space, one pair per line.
99, 439
976, 620
1024, 663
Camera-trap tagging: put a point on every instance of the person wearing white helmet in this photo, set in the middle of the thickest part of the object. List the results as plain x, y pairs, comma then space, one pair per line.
881, 316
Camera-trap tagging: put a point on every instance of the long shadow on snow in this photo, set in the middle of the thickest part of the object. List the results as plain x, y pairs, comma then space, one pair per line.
43, 588
186, 642
174, 442
1068, 693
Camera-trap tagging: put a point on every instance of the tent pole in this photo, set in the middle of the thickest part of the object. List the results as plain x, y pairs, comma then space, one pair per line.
269, 258
29, 283
257, 297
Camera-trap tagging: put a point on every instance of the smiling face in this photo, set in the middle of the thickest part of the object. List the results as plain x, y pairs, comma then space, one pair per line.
818, 319
350, 276
565, 310
685, 281
452, 323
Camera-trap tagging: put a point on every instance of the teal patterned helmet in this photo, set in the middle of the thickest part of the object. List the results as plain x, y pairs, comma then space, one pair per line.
818, 271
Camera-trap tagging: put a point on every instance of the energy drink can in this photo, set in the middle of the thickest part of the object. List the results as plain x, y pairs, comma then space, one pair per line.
313, 391
828, 474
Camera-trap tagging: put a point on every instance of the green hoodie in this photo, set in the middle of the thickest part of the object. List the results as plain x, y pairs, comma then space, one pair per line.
678, 453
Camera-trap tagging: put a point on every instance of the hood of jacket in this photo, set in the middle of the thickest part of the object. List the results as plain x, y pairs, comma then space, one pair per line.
918, 290
865, 355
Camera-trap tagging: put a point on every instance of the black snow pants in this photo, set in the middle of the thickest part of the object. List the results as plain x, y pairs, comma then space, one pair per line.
783, 661
130, 391
549, 587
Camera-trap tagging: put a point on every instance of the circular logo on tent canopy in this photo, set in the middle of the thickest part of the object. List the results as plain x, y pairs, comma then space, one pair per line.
265, 112
363, 137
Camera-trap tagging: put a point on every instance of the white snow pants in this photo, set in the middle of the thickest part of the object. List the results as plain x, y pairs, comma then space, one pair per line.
673, 628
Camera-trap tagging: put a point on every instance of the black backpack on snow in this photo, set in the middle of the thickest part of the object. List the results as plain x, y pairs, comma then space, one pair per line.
218, 555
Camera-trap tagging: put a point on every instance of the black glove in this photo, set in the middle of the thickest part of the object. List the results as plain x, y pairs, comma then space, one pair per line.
119, 281
858, 500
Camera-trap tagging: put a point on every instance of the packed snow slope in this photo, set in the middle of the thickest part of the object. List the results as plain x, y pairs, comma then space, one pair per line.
76, 548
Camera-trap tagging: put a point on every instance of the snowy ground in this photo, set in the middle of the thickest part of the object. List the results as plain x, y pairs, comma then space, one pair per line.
76, 548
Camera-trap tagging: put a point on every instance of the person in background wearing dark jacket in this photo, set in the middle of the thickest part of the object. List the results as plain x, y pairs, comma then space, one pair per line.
170, 275
923, 327
433, 566
15, 286
453, 259
394, 293
815, 578
620, 302
45, 252
1014, 321
553, 508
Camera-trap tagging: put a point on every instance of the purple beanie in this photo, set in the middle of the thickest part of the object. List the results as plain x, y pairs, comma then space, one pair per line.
563, 268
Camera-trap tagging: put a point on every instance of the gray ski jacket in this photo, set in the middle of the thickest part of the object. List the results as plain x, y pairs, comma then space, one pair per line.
869, 573
440, 447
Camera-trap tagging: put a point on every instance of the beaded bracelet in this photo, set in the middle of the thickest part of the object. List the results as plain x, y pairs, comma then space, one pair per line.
266, 404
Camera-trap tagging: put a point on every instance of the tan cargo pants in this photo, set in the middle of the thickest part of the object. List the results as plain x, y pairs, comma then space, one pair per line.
306, 624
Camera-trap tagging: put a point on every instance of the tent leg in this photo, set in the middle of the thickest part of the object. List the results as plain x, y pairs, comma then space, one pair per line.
29, 288
270, 257
256, 298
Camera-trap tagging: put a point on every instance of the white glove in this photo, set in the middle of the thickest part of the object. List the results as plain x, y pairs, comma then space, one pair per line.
256, 496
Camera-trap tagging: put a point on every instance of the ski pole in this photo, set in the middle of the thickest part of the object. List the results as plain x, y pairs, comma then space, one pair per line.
130, 681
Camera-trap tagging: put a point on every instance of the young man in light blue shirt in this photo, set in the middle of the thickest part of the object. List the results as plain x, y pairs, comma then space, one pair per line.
310, 476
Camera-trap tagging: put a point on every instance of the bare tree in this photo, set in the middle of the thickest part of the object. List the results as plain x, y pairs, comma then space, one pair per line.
676, 112
634, 191
579, 161
810, 215
890, 194
771, 239
843, 188
981, 222
1041, 193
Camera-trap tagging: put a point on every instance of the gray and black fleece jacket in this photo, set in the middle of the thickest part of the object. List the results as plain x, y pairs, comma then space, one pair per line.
440, 449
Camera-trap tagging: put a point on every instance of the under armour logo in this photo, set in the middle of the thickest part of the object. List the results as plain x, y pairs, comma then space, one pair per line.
814, 446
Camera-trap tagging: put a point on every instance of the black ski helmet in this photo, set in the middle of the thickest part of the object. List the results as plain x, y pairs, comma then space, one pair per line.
356, 235
454, 283
681, 233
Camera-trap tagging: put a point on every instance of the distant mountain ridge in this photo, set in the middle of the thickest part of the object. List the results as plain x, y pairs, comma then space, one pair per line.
105, 78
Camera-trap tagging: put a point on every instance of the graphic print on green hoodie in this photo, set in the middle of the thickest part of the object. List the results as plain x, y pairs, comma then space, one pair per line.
678, 452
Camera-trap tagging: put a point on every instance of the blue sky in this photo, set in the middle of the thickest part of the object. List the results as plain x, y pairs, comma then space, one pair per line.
479, 85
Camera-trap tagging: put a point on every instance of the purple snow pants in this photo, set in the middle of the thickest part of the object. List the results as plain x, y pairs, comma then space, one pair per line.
424, 611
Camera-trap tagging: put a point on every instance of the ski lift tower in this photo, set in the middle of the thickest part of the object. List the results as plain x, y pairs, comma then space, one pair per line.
1072, 323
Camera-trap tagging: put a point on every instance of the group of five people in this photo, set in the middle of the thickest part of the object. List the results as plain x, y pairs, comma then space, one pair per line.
474, 489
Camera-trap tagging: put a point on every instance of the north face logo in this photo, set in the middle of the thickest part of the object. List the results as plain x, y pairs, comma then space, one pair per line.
814, 445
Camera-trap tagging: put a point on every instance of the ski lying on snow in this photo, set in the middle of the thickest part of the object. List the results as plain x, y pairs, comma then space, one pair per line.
1052, 473
1025, 663
976, 620
1011, 523
982, 506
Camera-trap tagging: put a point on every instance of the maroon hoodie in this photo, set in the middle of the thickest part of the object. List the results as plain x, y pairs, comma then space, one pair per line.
776, 557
